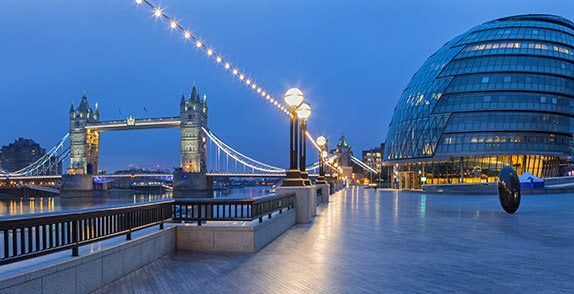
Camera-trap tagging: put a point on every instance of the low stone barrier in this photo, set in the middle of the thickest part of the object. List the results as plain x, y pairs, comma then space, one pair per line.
244, 237
97, 265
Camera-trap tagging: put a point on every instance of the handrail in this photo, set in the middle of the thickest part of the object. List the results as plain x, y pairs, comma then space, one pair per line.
31, 235
201, 210
27, 236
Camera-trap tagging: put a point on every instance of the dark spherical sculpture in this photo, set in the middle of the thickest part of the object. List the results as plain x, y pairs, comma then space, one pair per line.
508, 189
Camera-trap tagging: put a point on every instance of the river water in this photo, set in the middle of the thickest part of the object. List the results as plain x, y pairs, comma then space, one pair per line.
12, 205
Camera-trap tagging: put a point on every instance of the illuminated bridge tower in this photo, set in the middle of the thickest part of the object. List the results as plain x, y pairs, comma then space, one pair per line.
193, 173
84, 161
83, 143
193, 115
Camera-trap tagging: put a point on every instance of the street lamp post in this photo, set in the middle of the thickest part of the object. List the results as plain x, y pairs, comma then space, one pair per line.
321, 141
303, 113
293, 99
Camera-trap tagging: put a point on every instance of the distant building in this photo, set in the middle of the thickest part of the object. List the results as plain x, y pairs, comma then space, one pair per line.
344, 153
20, 154
372, 158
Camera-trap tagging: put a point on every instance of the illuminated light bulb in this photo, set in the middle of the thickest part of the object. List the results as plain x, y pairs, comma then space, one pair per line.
258, 90
248, 82
198, 44
268, 97
139, 1
157, 12
263, 94
209, 52
253, 86
241, 77
226, 65
234, 71
173, 25
218, 59
187, 35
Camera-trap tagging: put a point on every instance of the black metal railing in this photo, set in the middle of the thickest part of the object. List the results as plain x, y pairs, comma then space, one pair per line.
230, 209
28, 236
34, 235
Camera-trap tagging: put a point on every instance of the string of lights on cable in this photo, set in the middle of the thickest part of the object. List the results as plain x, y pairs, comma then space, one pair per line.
158, 12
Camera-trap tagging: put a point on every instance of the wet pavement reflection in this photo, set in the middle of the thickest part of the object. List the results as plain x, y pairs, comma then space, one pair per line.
378, 241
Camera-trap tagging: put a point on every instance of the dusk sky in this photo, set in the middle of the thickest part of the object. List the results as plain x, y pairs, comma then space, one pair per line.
352, 59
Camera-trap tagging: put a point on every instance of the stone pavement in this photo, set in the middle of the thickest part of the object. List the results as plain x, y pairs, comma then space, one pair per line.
367, 241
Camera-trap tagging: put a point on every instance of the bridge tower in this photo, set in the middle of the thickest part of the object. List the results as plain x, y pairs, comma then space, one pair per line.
193, 115
193, 173
83, 143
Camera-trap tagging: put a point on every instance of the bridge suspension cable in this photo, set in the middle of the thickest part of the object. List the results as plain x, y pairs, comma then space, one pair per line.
45, 163
158, 12
238, 157
364, 165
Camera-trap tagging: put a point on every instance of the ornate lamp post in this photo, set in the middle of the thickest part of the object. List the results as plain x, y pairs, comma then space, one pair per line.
303, 113
293, 99
321, 141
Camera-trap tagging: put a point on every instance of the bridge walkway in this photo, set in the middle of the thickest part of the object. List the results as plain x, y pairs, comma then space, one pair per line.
387, 241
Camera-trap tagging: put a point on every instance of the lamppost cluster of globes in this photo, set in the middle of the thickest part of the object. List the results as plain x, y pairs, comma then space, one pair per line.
300, 113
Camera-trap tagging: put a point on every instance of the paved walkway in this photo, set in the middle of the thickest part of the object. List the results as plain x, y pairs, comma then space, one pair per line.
388, 241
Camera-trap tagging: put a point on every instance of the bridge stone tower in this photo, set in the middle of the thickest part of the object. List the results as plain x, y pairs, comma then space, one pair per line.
84, 161
193, 115
83, 143
193, 173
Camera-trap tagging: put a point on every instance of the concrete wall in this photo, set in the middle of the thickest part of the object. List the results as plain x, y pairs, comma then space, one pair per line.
95, 267
187, 181
234, 238
324, 191
77, 183
303, 202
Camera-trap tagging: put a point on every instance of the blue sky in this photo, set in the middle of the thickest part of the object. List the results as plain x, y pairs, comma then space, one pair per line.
352, 59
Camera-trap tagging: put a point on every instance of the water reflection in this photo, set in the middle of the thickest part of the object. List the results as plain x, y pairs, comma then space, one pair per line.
11, 205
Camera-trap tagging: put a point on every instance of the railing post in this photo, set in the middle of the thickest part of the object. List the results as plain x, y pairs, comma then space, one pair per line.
75, 238
199, 215
161, 209
129, 224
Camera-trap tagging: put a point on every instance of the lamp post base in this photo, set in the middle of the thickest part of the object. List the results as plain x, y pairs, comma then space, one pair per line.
305, 177
321, 181
293, 179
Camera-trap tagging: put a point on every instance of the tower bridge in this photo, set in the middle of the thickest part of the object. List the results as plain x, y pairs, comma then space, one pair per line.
192, 174
85, 129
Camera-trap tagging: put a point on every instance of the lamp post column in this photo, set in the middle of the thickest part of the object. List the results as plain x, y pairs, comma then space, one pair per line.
303, 154
293, 98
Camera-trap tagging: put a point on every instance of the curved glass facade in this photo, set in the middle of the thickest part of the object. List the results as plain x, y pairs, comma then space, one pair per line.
503, 89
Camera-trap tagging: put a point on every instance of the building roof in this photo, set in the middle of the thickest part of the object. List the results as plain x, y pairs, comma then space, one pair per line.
84, 106
343, 141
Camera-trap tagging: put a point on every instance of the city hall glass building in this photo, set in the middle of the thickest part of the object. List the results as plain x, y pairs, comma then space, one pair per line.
500, 94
